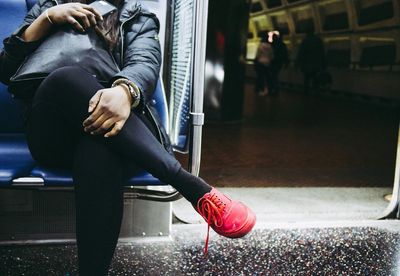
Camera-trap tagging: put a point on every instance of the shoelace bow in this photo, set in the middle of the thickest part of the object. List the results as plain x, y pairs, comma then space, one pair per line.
211, 209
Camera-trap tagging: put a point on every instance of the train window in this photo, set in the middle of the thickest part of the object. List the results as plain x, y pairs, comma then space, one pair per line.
374, 13
273, 3
279, 22
303, 20
337, 21
181, 72
376, 55
333, 16
256, 7
305, 25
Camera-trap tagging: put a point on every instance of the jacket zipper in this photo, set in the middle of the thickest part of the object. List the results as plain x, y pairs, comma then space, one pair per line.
121, 33
114, 61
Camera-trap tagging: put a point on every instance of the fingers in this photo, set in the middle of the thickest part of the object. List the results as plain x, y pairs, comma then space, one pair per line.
93, 118
71, 20
116, 129
92, 10
100, 109
106, 105
90, 16
98, 123
104, 127
82, 18
85, 15
94, 100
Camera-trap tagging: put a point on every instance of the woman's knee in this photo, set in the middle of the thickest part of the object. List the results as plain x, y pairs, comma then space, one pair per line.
65, 76
65, 82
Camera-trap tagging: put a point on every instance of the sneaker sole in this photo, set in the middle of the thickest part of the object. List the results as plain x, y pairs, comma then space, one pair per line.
246, 228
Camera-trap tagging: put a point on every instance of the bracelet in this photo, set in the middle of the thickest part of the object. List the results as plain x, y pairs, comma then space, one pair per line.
127, 90
48, 17
133, 90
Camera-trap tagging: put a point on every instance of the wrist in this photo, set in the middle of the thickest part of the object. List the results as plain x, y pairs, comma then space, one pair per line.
125, 90
132, 88
49, 16
37, 30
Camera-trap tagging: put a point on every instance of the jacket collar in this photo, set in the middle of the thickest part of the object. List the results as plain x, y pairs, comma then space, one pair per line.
128, 9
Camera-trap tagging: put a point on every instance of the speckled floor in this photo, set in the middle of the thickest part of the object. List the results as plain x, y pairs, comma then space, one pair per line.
310, 251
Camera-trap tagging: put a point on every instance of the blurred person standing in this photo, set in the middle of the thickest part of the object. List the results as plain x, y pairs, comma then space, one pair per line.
263, 59
311, 59
279, 61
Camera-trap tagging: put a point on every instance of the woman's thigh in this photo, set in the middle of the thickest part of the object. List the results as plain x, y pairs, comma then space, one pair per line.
51, 141
54, 122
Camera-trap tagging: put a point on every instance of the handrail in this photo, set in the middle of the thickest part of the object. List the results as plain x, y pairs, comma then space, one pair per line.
395, 201
199, 58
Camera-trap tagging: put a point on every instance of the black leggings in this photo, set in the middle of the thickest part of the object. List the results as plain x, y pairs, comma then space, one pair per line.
99, 165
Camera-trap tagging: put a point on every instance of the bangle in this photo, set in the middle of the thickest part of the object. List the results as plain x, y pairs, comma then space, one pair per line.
133, 90
127, 90
48, 17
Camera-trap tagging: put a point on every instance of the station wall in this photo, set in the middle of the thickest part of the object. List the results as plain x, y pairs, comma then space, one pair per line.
362, 39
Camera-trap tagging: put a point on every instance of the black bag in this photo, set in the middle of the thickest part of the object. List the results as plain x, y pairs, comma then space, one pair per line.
65, 47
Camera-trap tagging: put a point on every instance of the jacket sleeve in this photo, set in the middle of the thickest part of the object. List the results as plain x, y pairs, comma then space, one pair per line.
15, 49
142, 58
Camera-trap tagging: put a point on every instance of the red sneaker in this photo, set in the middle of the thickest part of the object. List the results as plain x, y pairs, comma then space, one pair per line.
227, 217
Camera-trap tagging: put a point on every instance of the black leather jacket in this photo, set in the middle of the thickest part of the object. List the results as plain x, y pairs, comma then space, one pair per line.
138, 50
138, 54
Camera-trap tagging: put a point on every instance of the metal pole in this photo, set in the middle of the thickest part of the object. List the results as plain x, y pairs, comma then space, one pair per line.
394, 202
199, 58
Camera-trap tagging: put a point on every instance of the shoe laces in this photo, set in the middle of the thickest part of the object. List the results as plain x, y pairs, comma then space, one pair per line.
211, 208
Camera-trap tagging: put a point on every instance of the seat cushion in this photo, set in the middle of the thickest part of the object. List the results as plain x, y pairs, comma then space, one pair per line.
16, 161
143, 179
15, 158
62, 178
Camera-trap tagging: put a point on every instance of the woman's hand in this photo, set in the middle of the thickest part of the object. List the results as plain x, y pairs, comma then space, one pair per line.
80, 16
111, 108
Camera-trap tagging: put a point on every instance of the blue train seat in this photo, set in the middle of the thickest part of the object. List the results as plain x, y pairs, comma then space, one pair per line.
17, 168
